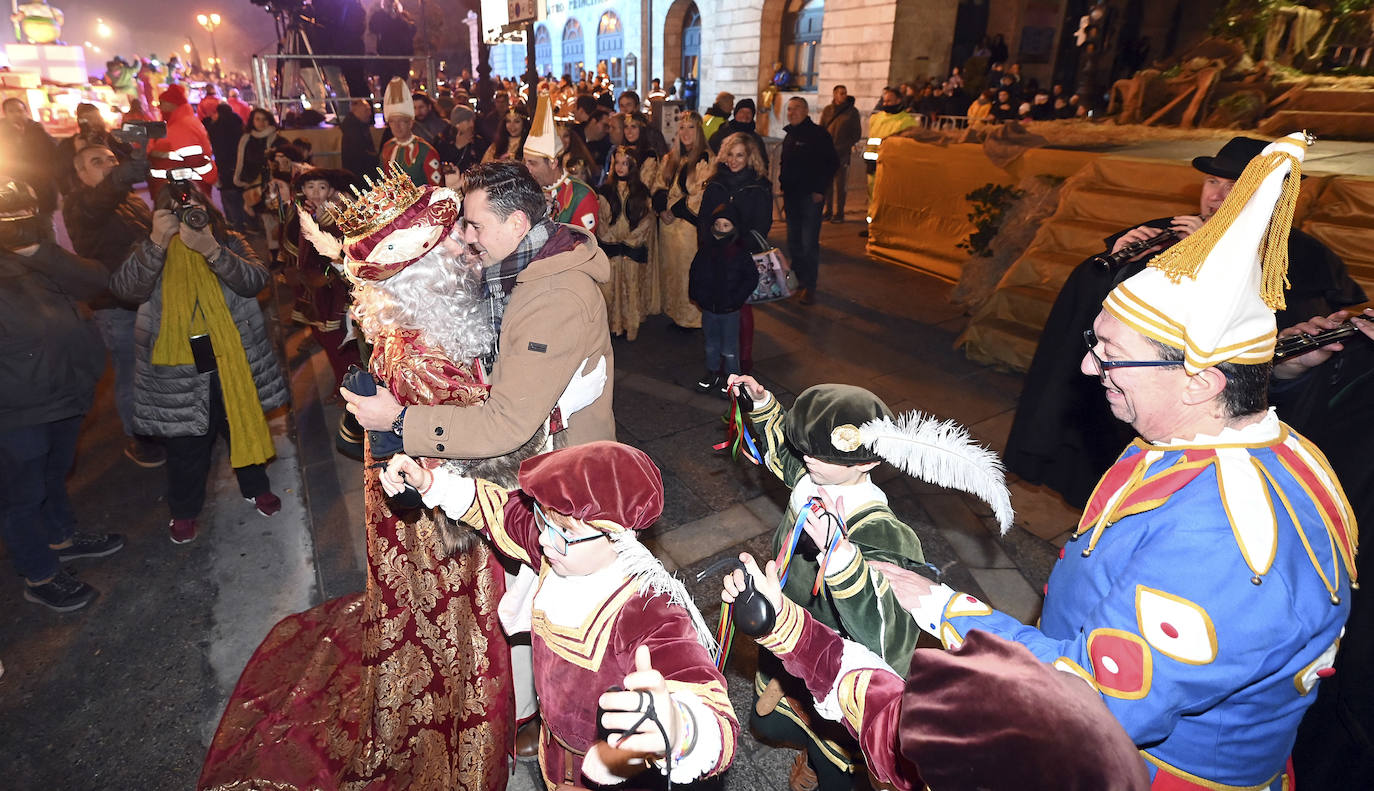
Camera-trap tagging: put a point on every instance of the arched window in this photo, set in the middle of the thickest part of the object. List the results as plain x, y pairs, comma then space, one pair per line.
691, 42
543, 50
572, 49
610, 48
801, 42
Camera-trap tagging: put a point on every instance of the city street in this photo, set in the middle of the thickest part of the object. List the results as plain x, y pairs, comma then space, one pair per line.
127, 692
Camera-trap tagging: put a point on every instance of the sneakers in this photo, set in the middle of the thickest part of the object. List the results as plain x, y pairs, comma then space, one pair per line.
62, 593
266, 503
709, 381
90, 545
145, 453
183, 531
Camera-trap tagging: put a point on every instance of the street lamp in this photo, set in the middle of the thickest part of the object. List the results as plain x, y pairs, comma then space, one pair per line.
102, 29
210, 22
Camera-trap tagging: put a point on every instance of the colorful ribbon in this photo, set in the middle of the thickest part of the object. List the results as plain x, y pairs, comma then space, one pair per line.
737, 433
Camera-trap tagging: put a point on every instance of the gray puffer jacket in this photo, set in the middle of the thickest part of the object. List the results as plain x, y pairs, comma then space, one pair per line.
174, 400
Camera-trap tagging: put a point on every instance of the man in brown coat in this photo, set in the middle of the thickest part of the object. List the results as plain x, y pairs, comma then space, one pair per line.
541, 295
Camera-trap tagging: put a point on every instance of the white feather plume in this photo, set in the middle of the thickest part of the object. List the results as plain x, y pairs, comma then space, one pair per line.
326, 244
942, 452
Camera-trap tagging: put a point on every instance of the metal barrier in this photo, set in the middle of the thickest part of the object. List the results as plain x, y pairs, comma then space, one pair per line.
317, 90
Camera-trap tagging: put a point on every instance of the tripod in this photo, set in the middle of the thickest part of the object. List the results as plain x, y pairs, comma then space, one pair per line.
305, 73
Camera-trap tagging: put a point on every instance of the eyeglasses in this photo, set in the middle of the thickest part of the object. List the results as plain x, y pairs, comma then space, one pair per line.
1103, 366
560, 540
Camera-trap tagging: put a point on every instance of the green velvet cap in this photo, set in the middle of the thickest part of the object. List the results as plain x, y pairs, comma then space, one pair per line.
824, 423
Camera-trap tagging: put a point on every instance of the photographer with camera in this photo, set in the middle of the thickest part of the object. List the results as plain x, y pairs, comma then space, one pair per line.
91, 131
49, 362
205, 364
105, 218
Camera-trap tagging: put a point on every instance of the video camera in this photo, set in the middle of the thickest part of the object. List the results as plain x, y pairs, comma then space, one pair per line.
180, 180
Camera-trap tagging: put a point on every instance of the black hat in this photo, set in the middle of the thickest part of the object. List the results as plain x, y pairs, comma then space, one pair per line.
337, 178
824, 423
1231, 160
746, 103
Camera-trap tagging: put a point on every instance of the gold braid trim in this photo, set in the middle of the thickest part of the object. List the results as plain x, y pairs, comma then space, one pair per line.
1186, 258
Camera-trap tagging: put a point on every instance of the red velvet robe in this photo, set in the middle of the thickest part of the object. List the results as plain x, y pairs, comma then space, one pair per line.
405, 686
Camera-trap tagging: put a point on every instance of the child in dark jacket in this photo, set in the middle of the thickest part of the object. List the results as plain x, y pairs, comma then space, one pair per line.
722, 277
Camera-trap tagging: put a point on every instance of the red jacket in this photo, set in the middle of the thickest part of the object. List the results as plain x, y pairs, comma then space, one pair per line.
185, 129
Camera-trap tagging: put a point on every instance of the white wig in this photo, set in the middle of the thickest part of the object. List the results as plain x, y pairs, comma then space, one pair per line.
436, 296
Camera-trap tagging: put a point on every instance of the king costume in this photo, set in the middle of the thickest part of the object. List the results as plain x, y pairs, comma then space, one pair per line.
1205, 589
406, 685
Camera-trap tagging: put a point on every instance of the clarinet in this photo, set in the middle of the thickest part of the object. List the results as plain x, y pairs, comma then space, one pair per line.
1114, 261
1293, 345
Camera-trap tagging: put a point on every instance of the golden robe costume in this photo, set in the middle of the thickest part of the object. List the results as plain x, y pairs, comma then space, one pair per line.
406, 685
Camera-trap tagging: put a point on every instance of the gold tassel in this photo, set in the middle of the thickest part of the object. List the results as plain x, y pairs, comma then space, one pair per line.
1186, 258
1274, 251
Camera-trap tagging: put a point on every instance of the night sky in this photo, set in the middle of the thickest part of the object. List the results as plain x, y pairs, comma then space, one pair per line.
142, 27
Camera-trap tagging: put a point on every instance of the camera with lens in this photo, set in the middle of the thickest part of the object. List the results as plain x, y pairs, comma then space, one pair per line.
189, 212
135, 135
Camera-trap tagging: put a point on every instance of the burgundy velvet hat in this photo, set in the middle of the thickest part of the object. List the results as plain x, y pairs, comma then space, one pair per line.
599, 481
393, 224
989, 715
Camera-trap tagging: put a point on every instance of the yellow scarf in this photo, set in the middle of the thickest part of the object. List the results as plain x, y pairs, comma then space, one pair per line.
192, 304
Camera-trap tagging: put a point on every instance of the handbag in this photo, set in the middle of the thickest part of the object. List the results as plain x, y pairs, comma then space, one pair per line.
776, 279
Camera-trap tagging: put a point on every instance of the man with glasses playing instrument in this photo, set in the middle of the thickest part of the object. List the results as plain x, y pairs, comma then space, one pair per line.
602, 600
1204, 591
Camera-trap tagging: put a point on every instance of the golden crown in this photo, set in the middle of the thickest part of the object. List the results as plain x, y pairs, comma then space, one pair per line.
384, 201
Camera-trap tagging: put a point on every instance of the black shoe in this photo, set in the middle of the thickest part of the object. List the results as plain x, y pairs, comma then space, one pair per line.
808, 296
708, 382
61, 593
837, 219
90, 545
145, 453
864, 233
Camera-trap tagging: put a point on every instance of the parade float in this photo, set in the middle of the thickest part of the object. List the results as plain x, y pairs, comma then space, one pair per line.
49, 75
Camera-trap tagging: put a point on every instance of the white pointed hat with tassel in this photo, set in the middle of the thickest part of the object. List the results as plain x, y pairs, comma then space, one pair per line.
543, 140
1214, 294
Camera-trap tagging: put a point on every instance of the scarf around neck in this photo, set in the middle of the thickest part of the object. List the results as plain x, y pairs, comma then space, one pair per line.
498, 281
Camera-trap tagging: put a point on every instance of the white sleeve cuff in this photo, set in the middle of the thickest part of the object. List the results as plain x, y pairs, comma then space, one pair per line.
767, 399
453, 493
840, 558
854, 658
929, 611
702, 758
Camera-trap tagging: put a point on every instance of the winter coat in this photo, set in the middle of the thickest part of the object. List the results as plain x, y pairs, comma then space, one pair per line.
252, 165
358, 149
723, 276
808, 160
842, 122
752, 196
174, 400
50, 354
105, 222
556, 318
185, 129
225, 129
28, 153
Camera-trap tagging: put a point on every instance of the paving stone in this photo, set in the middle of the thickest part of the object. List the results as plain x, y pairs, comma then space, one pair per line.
1006, 590
1034, 557
965, 531
712, 534
1041, 510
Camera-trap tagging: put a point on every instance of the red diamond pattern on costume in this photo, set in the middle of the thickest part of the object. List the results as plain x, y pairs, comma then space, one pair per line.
1121, 663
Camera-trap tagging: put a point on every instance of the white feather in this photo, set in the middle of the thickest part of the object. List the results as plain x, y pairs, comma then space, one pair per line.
326, 244
641, 566
942, 452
